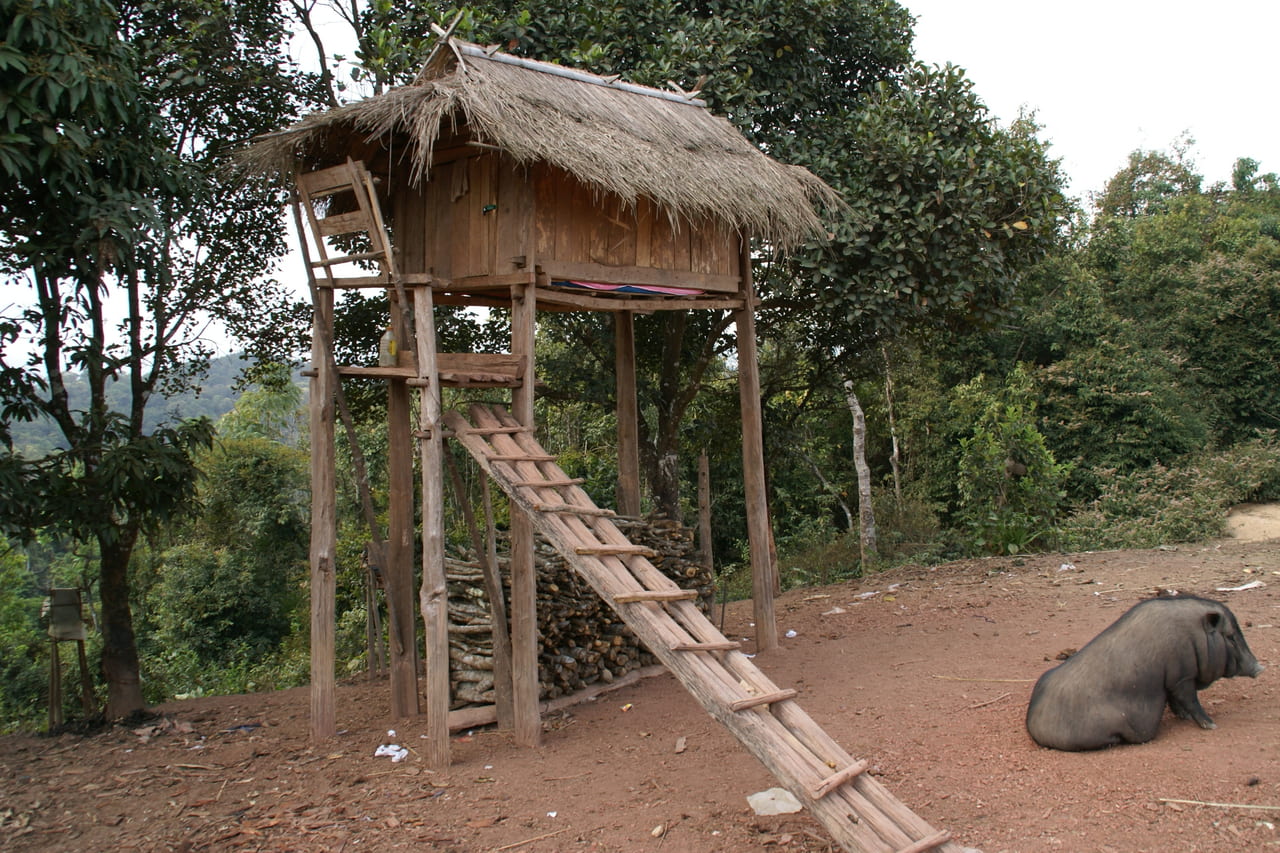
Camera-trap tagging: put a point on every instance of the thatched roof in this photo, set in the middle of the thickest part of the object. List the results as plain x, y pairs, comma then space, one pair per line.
627, 140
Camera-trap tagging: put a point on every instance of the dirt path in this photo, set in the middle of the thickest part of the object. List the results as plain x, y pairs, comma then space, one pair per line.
925, 672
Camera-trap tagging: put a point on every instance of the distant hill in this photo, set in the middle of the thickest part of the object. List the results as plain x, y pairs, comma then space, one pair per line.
215, 396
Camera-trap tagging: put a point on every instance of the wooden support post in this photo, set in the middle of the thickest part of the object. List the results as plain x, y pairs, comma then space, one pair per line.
762, 568
55, 686
628, 413
87, 703
704, 513
502, 697
324, 525
524, 576
433, 595
398, 572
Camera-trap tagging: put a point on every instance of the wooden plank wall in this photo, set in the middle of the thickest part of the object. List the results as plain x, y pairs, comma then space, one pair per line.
485, 216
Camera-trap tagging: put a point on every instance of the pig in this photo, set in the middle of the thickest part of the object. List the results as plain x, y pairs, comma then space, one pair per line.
1114, 689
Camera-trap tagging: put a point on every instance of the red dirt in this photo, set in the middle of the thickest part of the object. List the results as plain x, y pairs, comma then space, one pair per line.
927, 678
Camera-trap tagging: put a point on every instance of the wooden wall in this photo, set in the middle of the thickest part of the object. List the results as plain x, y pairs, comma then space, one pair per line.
485, 218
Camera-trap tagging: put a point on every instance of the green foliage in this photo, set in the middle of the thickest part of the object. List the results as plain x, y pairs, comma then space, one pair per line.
945, 209
1183, 503
1010, 486
233, 582
24, 647
1120, 408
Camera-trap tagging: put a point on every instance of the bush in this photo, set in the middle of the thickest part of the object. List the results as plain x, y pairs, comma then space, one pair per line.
1187, 503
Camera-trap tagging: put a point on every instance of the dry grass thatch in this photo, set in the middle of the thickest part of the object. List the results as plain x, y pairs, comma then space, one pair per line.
621, 139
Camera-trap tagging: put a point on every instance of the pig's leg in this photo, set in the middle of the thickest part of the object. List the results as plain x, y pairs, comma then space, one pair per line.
1185, 702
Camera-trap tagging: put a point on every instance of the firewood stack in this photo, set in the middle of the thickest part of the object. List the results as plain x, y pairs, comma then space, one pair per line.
582, 640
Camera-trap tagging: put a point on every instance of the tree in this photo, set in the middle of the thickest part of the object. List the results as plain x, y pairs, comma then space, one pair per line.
117, 203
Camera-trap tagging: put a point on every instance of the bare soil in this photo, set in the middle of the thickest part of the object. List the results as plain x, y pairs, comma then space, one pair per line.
923, 671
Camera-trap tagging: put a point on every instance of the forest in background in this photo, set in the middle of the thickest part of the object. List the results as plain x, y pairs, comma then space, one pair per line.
1025, 372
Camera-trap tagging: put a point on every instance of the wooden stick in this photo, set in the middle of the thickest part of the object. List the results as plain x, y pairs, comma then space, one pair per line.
531, 840
990, 701
837, 779
1220, 805
935, 840
765, 699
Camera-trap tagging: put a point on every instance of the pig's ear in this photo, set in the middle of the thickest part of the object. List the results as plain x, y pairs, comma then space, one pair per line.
1212, 621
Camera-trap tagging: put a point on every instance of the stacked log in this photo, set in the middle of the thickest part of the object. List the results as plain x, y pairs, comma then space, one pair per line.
582, 641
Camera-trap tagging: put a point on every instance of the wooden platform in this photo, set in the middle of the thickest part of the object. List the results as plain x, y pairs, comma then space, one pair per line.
859, 812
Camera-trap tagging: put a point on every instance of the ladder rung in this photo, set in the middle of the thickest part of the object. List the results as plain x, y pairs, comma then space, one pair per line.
762, 699
548, 483
344, 223
928, 843
522, 457
574, 510
359, 256
656, 595
357, 282
615, 550
328, 181
835, 780
716, 646
502, 430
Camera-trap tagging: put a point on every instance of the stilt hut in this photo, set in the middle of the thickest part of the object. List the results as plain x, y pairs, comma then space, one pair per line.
498, 181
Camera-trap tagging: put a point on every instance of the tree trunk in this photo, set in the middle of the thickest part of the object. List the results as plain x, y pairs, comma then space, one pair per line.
866, 515
119, 646
895, 456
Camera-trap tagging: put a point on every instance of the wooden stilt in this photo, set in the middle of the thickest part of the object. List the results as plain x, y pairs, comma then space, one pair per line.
628, 423
524, 578
433, 595
398, 572
488, 559
763, 571
55, 685
324, 526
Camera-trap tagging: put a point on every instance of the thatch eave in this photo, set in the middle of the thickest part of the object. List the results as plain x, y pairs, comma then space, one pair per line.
617, 138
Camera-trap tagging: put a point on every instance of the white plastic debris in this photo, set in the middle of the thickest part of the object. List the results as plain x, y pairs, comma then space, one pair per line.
1242, 587
774, 801
1067, 567
391, 734
791, 635
552, 814
835, 610
871, 594
396, 752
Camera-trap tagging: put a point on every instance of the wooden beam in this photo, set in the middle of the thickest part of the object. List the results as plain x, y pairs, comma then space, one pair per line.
324, 525
704, 513
433, 594
753, 476
398, 572
628, 414
525, 687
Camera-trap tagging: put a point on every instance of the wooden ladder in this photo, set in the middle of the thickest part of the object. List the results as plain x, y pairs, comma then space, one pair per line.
859, 812
342, 201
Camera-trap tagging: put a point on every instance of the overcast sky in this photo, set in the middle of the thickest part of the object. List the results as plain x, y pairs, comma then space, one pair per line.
1106, 78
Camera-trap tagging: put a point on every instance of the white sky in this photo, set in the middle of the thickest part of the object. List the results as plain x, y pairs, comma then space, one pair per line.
1106, 78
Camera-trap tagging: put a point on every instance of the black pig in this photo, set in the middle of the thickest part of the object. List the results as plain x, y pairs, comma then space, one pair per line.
1114, 689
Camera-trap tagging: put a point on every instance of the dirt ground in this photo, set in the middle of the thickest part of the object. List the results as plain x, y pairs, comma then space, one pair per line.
924, 672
